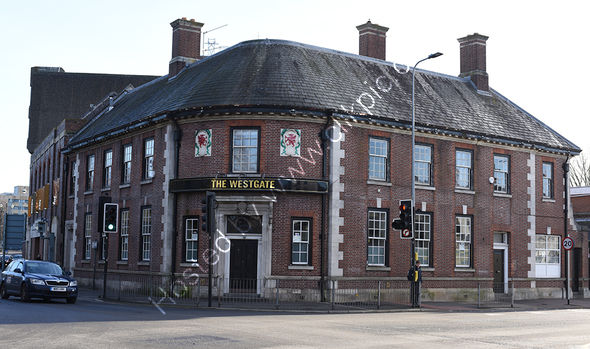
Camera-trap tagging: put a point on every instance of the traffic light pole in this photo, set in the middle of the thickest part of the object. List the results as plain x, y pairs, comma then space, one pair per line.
434, 55
106, 262
208, 218
210, 266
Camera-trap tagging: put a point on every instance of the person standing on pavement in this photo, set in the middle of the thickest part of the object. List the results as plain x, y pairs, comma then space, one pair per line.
416, 277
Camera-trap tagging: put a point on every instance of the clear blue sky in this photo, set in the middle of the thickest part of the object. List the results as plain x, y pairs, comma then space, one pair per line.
536, 55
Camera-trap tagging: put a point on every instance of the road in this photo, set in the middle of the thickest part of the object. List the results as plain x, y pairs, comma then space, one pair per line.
91, 323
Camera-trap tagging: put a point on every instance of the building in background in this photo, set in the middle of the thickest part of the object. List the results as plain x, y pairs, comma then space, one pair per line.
13, 203
308, 151
580, 198
60, 104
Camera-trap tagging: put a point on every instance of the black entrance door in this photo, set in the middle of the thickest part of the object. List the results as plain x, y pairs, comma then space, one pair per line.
577, 266
242, 265
499, 271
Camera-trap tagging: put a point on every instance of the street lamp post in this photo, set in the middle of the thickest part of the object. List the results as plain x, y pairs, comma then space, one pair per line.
415, 298
434, 55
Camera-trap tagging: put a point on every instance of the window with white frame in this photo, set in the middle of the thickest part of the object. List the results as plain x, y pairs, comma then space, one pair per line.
107, 168
89, 172
245, 150
378, 159
191, 239
423, 238
547, 256
377, 237
72, 177
463, 241
126, 168
422, 164
146, 233
148, 158
463, 169
124, 236
548, 180
501, 174
87, 235
300, 234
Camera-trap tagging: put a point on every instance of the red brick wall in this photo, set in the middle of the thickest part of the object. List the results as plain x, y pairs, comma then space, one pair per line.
490, 213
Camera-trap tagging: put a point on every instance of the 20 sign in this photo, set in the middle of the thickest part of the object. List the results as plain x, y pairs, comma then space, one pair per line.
568, 243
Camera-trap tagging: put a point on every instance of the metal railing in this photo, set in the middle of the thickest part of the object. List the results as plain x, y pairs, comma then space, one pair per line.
158, 288
339, 294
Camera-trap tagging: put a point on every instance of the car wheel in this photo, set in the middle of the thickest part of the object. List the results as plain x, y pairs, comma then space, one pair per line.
71, 300
24, 293
3, 292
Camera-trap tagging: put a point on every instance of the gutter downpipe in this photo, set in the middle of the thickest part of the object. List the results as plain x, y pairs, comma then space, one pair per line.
62, 223
324, 136
177, 139
566, 168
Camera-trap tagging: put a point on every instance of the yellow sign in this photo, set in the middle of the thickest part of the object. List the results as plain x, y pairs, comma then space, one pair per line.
240, 183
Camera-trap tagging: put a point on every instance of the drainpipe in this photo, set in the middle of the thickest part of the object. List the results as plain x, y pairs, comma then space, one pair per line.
177, 139
64, 190
324, 137
566, 168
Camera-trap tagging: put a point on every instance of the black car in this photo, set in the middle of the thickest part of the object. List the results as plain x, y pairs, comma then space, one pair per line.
37, 279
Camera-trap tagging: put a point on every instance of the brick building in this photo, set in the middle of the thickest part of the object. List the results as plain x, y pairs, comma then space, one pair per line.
61, 103
307, 150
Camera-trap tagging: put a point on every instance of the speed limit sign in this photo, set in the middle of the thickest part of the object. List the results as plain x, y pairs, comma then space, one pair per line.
568, 243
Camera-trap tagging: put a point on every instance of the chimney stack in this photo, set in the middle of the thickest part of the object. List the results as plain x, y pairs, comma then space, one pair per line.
372, 40
473, 60
186, 44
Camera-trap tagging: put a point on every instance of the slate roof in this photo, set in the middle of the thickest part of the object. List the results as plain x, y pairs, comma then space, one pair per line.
276, 75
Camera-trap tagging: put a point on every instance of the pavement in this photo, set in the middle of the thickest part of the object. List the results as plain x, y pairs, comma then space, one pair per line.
519, 305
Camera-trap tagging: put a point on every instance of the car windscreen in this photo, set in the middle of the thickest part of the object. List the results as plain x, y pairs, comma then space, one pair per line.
43, 268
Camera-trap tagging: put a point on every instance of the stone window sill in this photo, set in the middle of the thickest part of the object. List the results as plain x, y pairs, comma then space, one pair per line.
465, 270
143, 263
122, 186
105, 189
85, 261
425, 187
502, 195
374, 182
244, 174
89, 192
427, 269
122, 262
189, 265
146, 181
548, 200
377, 268
300, 267
464, 191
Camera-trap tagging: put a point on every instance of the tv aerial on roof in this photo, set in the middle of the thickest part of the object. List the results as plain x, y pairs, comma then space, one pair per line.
211, 44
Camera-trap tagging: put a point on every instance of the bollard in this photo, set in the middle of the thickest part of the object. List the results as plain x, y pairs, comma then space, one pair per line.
478, 295
379, 294
512, 298
277, 292
333, 294
218, 292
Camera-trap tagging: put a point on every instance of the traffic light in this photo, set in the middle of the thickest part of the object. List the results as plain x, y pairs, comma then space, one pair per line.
405, 214
208, 217
41, 228
110, 218
404, 223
